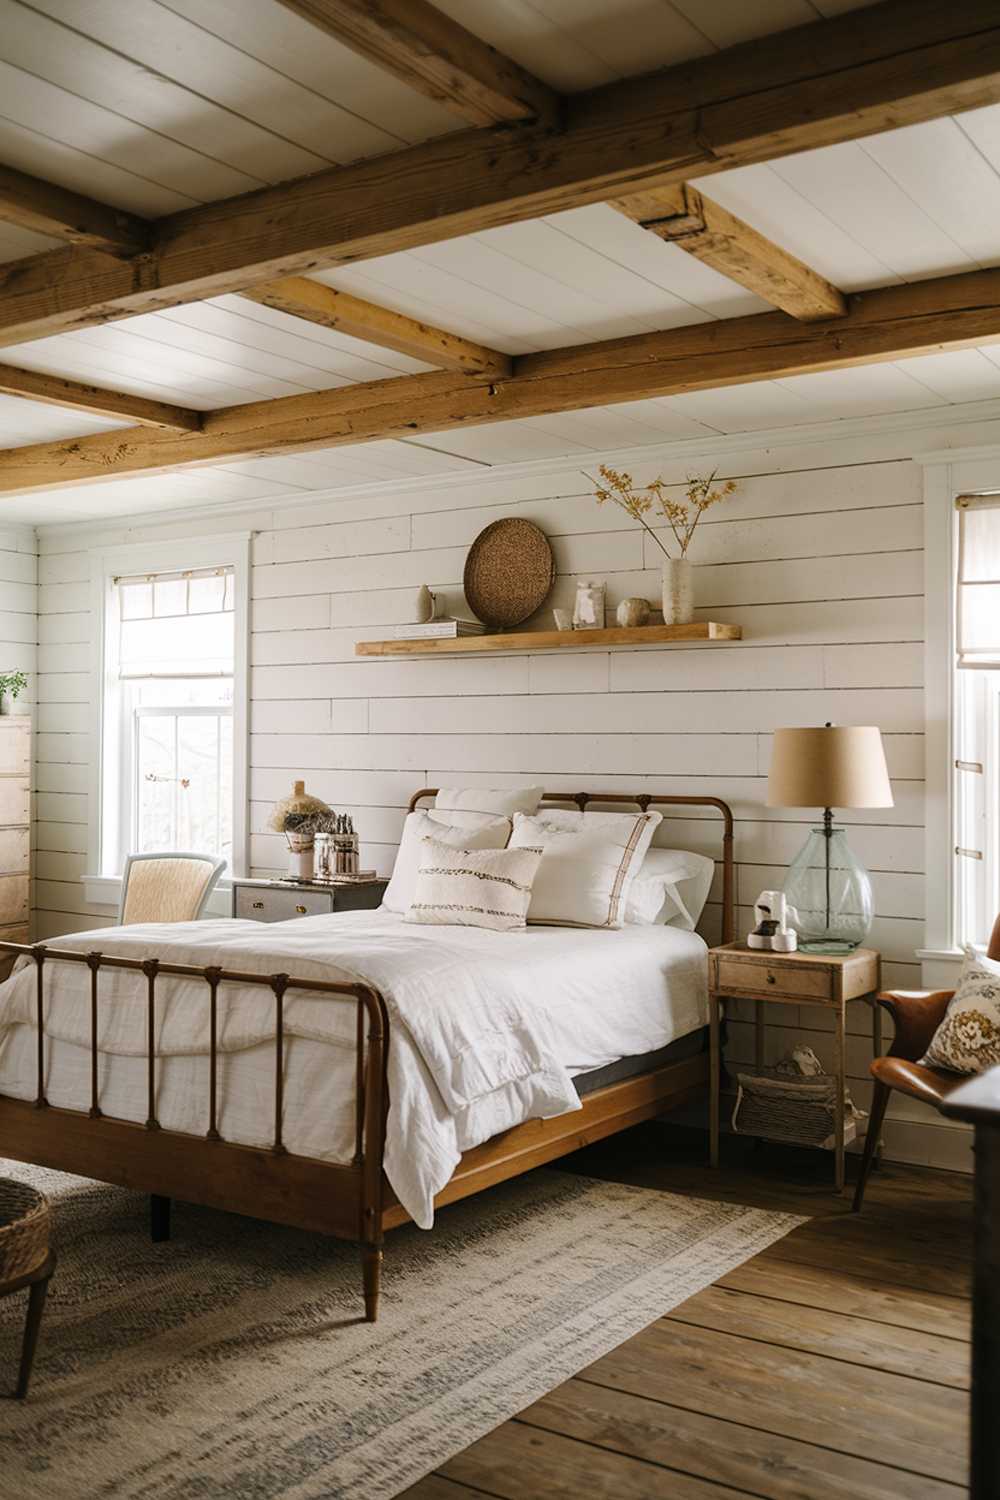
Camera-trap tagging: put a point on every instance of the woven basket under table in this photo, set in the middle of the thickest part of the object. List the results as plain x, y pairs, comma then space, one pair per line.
800, 1111
25, 1218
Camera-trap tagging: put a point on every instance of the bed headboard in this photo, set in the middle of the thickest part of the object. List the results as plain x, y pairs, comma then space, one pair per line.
644, 800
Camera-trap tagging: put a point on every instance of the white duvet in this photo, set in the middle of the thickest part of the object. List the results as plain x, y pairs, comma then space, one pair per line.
487, 1029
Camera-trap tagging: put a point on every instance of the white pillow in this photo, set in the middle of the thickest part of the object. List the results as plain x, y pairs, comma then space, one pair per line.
504, 800
473, 887
670, 889
458, 830
588, 864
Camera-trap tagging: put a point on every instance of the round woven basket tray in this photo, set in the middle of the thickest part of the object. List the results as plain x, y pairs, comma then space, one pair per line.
24, 1229
509, 572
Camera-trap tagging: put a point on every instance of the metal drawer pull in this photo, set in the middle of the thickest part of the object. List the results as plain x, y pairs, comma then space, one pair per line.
258, 906
771, 979
301, 909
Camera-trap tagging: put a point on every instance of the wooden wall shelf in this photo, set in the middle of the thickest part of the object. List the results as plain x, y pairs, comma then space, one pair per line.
554, 640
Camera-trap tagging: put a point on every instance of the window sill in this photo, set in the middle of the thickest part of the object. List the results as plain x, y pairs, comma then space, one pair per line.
106, 891
940, 967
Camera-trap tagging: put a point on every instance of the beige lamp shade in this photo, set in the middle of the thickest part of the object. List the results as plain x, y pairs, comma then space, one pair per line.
838, 766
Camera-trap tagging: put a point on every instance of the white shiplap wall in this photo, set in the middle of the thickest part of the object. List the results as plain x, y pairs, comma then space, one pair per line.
19, 605
819, 557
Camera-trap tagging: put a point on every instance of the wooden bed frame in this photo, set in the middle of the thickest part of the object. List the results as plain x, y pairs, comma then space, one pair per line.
351, 1200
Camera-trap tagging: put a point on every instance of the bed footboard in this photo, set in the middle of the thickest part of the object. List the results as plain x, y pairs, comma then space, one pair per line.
339, 1199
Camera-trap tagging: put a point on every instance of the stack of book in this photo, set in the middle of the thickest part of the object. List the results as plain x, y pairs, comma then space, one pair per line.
437, 630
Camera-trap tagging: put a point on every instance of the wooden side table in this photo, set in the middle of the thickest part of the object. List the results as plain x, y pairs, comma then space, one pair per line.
736, 972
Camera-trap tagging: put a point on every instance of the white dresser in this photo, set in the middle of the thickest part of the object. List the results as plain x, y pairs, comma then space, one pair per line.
282, 901
15, 827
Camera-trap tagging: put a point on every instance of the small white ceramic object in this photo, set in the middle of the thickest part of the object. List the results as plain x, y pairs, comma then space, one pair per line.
632, 612
773, 916
300, 863
426, 606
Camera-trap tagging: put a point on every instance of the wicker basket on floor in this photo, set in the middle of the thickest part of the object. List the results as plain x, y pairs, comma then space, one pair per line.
800, 1111
24, 1229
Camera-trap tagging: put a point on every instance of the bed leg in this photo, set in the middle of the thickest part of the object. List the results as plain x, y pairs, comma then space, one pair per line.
159, 1218
371, 1261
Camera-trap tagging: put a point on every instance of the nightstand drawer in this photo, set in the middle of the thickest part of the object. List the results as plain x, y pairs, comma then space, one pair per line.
261, 904
15, 800
757, 976
15, 745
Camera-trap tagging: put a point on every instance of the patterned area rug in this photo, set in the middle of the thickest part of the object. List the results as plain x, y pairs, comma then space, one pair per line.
231, 1362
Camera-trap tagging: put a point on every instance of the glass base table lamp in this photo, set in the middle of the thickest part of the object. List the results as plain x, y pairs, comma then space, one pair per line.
828, 886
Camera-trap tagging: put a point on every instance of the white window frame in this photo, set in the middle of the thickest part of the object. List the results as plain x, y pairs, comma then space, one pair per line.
946, 477
177, 555
129, 781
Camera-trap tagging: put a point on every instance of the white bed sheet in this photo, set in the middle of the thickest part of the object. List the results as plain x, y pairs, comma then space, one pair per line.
487, 1030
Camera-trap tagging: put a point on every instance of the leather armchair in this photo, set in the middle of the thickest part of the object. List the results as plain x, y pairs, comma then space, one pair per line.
917, 1014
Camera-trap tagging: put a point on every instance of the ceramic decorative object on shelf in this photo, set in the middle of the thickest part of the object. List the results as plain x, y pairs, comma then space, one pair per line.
426, 607
588, 608
678, 591
509, 572
681, 517
632, 612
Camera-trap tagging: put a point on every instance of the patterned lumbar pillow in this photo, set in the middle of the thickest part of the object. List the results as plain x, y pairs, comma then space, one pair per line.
588, 865
474, 887
463, 830
968, 1039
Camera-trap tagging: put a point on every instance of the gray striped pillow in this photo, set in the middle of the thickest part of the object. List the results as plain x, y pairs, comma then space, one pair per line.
474, 887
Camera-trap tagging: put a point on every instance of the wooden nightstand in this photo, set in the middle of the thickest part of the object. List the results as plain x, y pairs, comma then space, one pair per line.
283, 900
736, 972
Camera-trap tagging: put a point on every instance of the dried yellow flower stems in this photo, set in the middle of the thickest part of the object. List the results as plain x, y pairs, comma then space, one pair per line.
681, 516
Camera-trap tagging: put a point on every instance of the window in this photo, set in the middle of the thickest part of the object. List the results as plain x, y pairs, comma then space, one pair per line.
976, 718
171, 717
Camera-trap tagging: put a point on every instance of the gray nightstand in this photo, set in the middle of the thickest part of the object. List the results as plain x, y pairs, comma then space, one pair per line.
736, 972
283, 900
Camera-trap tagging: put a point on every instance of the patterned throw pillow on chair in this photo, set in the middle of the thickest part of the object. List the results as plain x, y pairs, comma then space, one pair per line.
968, 1039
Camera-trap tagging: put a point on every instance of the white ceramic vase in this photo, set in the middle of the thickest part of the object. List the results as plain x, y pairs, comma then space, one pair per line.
678, 592
301, 850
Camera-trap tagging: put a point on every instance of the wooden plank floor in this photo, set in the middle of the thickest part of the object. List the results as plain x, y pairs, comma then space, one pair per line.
833, 1366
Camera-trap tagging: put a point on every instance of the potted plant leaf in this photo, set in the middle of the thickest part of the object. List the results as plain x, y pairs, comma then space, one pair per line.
12, 685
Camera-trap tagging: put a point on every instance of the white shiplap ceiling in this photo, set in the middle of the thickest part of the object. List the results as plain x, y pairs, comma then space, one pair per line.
158, 104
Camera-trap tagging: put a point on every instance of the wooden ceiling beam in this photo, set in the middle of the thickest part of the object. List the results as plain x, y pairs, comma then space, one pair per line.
65, 215
836, 80
54, 390
682, 216
345, 313
927, 316
426, 49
